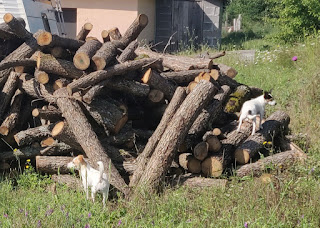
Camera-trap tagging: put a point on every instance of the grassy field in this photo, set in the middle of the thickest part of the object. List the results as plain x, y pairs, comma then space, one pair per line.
291, 199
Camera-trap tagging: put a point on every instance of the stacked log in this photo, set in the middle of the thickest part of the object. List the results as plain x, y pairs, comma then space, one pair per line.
143, 114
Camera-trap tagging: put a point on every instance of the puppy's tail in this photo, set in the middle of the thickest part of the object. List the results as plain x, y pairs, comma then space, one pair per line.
101, 170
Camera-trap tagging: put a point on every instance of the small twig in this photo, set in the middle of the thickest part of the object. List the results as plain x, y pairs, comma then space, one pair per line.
168, 43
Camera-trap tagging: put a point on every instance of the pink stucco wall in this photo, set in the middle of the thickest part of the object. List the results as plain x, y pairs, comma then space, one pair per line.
103, 14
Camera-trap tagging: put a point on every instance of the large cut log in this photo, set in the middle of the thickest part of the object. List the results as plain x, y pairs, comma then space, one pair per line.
8, 91
189, 163
237, 98
47, 39
16, 26
49, 64
49, 113
31, 135
128, 53
201, 150
223, 79
24, 152
85, 29
213, 141
17, 62
207, 116
177, 63
106, 55
84, 54
156, 81
282, 160
143, 158
214, 165
192, 181
227, 71
111, 117
175, 133
13, 116
183, 77
57, 148
134, 29
6, 33
275, 124
98, 76
87, 137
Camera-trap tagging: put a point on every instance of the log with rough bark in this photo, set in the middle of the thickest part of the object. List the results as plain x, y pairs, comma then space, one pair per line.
105, 36
275, 124
53, 164
57, 148
156, 81
201, 150
128, 53
59, 83
189, 163
16, 26
8, 91
6, 33
282, 160
85, 29
31, 135
237, 98
183, 77
134, 29
60, 53
87, 138
176, 101
190, 180
17, 62
114, 33
106, 55
49, 113
84, 54
98, 76
49, 64
214, 165
24, 152
13, 116
227, 70
47, 142
47, 39
70, 181
175, 133
223, 79
155, 97
41, 76
111, 117
177, 63
213, 142
207, 116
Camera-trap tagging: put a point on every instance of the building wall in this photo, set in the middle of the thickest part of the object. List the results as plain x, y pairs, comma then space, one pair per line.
103, 14
148, 7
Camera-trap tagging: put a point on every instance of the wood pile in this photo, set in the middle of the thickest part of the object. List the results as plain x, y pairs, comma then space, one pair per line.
145, 115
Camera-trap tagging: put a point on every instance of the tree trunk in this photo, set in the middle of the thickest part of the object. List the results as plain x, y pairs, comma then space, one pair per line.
53, 164
33, 134
98, 76
83, 33
156, 81
143, 158
64, 68
17, 62
175, 133
6, 33
183, 77
177, 63
8, 91
57, 148
189, 163
273, 126
13, 116
129, 52
237, 98
227, 71
16, 26
106, 55
87, 137
134, 29
282, 160
84, 54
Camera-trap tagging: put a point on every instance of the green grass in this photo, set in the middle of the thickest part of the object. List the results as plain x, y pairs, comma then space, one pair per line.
291, 199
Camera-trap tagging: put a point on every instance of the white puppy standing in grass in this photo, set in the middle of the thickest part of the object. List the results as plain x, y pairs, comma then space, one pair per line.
254, 107
97, 180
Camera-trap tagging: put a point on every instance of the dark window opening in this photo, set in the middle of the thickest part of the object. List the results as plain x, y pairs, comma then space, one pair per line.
45, 22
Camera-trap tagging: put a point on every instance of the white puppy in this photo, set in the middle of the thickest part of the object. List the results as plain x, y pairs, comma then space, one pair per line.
97, 180
254, 107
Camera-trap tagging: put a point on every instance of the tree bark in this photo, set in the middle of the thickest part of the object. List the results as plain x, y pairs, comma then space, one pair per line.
177, 63
50, 113
193, 181
134, 29
237, 98
87, 137
33, 134
25, 152
85, 29
16, 26
153, 141
106, 55
17, 62
129, 52
183, 77
175, 133
84, 54
282, 160
6, 33
115, 34
223, 79
227, 71
8, 91
98, 76
57, 148
70, 181
273, 126
156, 81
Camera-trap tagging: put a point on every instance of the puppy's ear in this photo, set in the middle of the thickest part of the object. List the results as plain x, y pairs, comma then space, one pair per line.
80, 158
265, 94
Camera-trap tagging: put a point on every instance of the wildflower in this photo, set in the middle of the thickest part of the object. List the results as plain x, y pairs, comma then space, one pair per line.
20, 210
49, 212
311, 170
119, 223
87, 226
265, 142
89, 215
26, 214
246, 224
294, 58
27, 167
5, 215
39, 223
67, 214
28, 160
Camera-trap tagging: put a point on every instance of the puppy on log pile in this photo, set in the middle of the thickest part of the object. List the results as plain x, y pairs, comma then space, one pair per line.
148, 117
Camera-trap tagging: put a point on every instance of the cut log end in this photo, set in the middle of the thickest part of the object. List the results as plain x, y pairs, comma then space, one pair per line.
155, 96
8, 17
81, 61
200, 151
4, 130
41, 76
143, 19
105, 35
35, 112
57, 129
88, 26
146, 76
99, 62
120, 124
212, 167
191, 86
242, 156
47, 142
214, 143
44, 38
